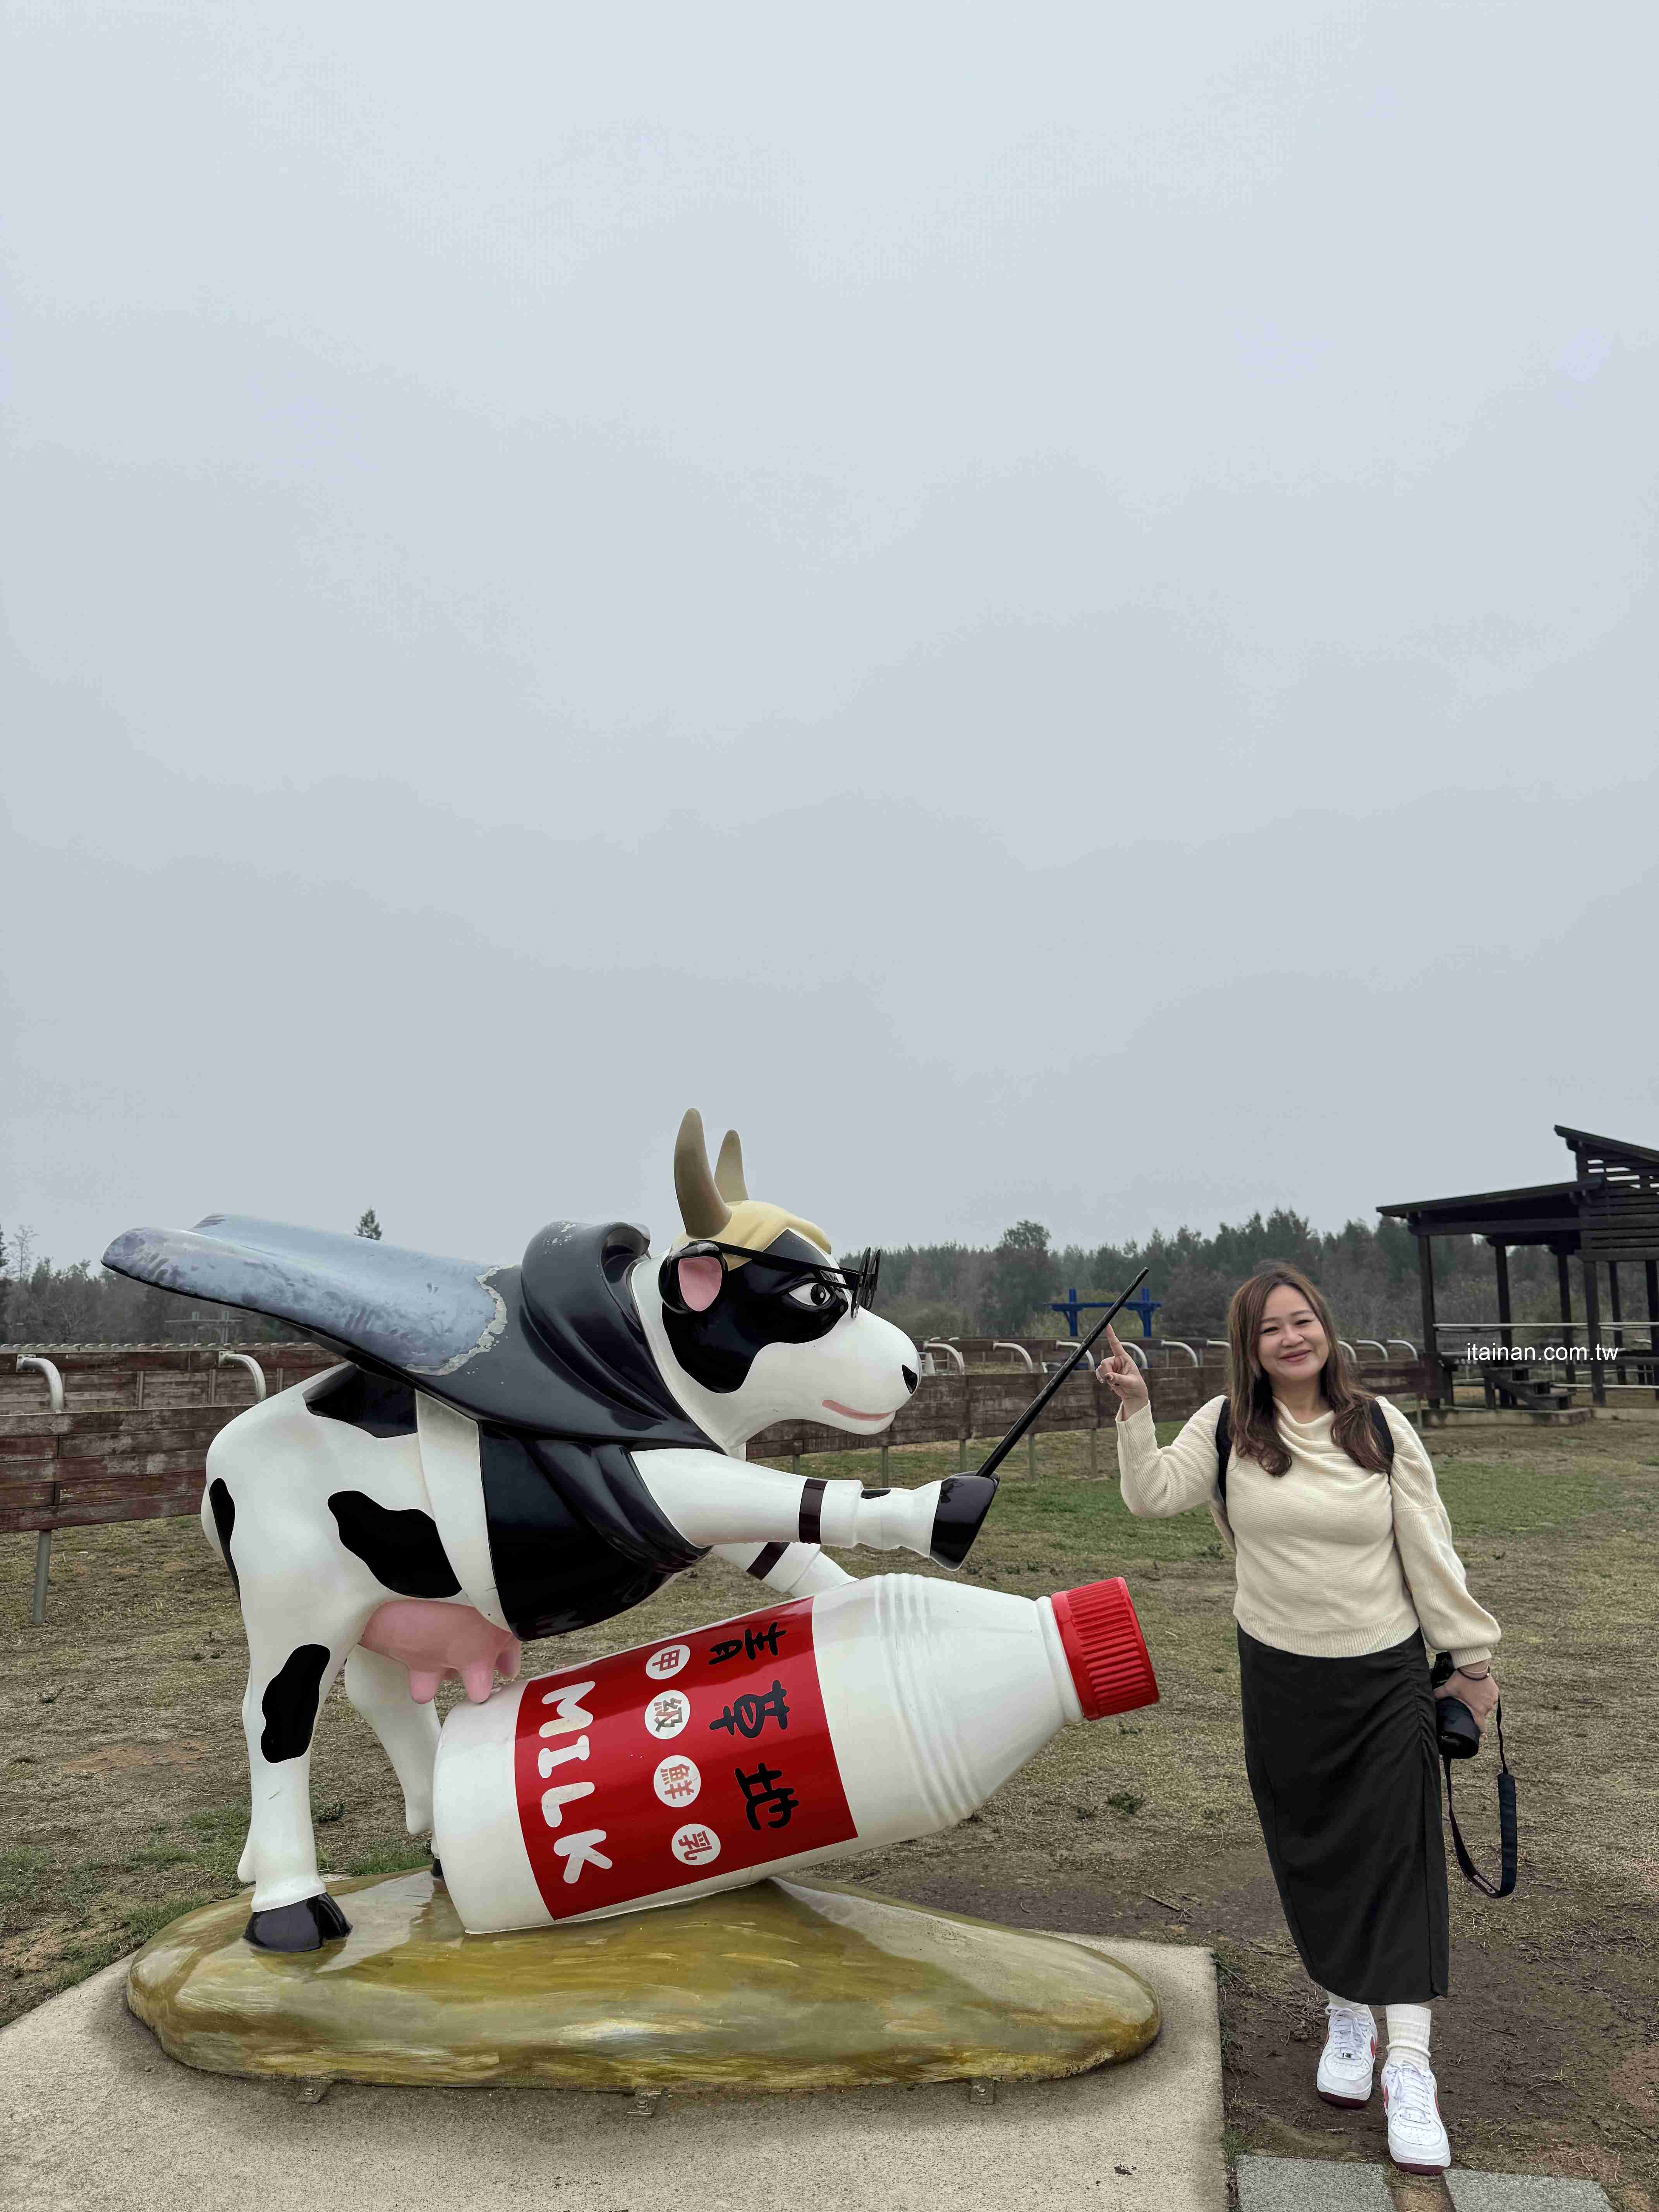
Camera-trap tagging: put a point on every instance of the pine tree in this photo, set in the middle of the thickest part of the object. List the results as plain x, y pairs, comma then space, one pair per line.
1021, 1275
367, 1225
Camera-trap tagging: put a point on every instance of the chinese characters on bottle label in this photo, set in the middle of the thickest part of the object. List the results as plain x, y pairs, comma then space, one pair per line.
636, 1773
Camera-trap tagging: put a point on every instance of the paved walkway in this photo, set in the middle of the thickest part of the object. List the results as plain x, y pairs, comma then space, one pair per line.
94, 2113
1310, 2185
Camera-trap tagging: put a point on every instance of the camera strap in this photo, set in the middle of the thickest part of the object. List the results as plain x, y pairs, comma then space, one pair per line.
1506, 1827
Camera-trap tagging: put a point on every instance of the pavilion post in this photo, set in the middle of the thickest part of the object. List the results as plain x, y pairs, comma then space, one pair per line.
1615, 1332
1435, 1376
1598, 1374
1500, 1253
1652, 1270
1564, 1285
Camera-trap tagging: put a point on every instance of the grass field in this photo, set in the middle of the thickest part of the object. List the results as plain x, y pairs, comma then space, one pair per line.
125, 1790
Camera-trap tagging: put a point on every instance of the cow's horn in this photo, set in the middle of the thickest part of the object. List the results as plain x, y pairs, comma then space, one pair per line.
702, 1209
728, 1170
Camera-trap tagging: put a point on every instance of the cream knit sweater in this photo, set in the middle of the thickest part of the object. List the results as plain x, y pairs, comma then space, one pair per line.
1333, 1560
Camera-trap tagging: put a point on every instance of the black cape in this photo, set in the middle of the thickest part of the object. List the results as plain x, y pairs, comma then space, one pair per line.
548, 1358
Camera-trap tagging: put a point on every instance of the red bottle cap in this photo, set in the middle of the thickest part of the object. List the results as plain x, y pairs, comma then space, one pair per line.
1109, 1662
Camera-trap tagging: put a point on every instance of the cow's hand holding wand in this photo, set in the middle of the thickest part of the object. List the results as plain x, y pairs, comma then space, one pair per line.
1124, 1378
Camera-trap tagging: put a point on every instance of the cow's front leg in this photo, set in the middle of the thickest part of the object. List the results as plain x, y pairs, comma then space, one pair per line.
792, 1569
288, 1680
378, 1688
713, 1500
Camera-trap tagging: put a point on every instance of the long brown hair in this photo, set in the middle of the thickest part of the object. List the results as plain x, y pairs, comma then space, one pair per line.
1250, 1393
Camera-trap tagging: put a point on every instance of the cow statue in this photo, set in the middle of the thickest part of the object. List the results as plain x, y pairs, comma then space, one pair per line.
513, 1452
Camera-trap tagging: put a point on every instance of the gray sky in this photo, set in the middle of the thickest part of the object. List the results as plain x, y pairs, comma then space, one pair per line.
1051, 608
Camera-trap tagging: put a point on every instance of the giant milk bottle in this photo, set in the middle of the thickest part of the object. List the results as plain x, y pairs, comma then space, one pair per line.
806, 1731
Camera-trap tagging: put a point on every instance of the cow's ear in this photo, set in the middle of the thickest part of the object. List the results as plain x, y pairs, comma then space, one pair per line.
690, 1282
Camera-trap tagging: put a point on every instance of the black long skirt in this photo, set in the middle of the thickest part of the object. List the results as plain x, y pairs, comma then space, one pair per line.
1342, 1765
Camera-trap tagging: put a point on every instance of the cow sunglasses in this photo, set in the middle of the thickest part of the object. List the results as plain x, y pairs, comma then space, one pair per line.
858, 1283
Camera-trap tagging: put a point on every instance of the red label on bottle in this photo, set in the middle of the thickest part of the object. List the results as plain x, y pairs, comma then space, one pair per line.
678, 1760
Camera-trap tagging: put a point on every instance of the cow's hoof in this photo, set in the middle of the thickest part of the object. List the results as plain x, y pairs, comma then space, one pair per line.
437, 1867
964, 1502
305, 1926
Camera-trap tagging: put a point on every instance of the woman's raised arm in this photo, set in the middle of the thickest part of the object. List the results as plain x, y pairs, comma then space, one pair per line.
1156, 1483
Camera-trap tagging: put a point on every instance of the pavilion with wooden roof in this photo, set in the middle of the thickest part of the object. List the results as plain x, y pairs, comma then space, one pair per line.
1607, 1218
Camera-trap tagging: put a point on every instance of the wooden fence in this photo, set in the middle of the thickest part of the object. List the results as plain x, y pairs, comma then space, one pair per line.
131, 1443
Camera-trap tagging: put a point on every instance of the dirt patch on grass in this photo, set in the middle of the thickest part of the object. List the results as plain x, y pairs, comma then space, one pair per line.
123, 1758
124, 1796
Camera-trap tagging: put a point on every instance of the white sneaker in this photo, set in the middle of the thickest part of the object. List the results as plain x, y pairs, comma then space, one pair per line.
1345, 2062
1416, 2139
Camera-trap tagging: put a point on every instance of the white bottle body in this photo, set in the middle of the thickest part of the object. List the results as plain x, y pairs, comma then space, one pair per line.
932, 1694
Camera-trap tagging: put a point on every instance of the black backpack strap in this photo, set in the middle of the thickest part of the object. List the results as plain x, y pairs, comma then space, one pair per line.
1506, 1826
1223, 1446
1384, 1433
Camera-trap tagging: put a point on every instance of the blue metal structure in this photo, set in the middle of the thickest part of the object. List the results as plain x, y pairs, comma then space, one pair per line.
1071, 1305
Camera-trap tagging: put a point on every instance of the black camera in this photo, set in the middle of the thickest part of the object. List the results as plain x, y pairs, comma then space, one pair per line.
1458, 1735
1456, 1730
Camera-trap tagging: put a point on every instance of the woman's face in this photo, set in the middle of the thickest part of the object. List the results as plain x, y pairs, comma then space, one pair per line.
1291, 1345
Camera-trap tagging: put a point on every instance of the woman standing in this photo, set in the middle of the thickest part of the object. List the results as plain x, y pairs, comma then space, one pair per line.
1344, 1566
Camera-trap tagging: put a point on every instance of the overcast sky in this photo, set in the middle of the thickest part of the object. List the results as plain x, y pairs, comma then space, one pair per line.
1051, 608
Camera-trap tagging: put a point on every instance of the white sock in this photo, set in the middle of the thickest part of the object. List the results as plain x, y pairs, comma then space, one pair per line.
1347, 2004
1408, 2032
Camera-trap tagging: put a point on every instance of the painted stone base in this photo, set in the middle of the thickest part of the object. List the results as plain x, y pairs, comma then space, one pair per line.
776, 1987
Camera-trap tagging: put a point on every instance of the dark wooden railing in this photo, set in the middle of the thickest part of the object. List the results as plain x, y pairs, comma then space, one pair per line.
131, 1443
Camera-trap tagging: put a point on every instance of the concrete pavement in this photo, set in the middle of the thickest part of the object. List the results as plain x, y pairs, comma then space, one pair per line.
93, 2113
1310, 2185
1314, 2184
1524, 2192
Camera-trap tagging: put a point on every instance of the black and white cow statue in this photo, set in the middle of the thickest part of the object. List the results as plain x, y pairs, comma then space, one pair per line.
513, 1452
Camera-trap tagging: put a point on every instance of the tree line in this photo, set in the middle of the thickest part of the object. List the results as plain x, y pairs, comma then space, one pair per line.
1369, 1274
41, 1303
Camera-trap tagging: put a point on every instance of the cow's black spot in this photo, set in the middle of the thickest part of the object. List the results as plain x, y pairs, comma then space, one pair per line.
223, 1507
867, 1494
290, 1706
402, 1550
754, 1309
370, 1403
305, 1926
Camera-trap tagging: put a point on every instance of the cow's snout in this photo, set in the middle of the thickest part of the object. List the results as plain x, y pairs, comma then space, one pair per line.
856, 1377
